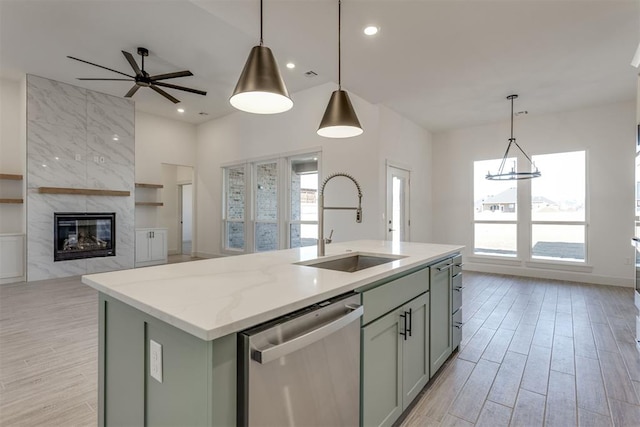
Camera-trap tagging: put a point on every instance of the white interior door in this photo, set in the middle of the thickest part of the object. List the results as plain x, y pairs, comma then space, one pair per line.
398, 221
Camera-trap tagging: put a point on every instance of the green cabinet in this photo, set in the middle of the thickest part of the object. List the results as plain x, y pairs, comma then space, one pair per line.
415, 349
440, 345
395, 361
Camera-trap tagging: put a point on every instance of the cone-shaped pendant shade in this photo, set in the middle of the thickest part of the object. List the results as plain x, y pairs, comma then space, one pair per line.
339, 120
260, 88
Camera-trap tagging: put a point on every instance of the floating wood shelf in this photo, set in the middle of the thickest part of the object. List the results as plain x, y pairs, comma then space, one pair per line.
83, 191
141, 185
11, 176
15, 201
149, 204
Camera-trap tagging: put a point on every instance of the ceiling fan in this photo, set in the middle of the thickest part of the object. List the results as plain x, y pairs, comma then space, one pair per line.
143, 79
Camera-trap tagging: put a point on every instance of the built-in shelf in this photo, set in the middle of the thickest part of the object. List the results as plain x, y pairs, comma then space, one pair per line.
149, 204
141, 185
14, 201
11, 176
83, 191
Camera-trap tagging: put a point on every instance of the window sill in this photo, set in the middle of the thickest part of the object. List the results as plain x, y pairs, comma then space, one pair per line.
487, 259
559, 265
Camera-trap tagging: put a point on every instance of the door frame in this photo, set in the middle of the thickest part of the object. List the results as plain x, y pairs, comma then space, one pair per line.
389, 166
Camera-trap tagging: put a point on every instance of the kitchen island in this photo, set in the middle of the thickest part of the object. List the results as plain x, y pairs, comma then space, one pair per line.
195, 310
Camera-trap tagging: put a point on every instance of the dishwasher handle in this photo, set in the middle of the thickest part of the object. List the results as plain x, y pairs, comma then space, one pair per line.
272, 353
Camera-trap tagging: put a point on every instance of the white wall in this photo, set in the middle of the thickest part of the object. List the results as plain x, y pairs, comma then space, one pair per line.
607, 133
160, 140
12, 152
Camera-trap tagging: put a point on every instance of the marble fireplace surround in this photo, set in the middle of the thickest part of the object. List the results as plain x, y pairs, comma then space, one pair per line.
77, 139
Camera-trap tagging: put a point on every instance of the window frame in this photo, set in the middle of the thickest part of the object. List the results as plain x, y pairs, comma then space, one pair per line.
288, 220
225, 220
524, 225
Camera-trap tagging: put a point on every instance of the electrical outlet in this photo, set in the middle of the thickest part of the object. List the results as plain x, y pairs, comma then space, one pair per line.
78, 157
628, 261
155, 360
101, 159
96, 159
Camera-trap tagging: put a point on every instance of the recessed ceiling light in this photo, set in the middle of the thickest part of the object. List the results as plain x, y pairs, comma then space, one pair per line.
180, 110
115, 137
44, 166
371, 30
291, 65
57, 158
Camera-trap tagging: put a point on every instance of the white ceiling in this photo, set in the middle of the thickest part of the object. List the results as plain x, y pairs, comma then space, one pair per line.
444, 64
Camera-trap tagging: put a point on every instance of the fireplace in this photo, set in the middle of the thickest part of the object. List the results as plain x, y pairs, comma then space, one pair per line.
84, 235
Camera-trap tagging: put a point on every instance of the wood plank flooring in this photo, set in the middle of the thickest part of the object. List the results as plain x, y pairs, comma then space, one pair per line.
534, 353
538, 353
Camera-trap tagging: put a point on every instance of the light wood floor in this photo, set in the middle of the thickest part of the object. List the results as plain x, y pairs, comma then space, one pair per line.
534, 353
538, 352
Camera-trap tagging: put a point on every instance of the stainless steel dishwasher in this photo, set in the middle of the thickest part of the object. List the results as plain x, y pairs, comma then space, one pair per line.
302, 369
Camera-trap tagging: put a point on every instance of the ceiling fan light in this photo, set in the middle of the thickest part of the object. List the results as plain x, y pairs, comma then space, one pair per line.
260, 88
339, 119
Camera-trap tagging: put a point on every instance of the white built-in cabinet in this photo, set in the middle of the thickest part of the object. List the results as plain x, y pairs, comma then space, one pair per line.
151, 246
11, 257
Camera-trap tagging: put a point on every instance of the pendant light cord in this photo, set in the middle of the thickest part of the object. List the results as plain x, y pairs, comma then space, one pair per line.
260, 22
339, 47
511, 119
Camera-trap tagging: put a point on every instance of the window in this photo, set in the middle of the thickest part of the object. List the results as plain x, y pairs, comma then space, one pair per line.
558, 207
266, 206
254, 204
495, 212
303, 223
234, 208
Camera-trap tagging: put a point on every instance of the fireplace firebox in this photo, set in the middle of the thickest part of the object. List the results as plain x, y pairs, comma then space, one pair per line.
84, 235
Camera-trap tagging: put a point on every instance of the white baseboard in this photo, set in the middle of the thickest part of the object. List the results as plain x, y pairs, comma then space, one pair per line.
174, 252
571, 276
13, 280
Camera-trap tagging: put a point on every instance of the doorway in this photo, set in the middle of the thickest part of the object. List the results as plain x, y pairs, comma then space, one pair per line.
398, 194
185, 192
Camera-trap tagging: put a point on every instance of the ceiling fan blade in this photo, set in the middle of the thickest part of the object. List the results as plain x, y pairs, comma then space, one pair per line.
185, 73
96, 65
133, 90
123, 80
165, 94
132, 62
186, 89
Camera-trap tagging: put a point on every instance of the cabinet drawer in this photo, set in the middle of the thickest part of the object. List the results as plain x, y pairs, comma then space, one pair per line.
456, 329
387, 297
457, 265
456, 292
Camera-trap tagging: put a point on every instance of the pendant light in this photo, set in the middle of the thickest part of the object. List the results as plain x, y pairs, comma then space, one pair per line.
260, 88
340, 119
513, 175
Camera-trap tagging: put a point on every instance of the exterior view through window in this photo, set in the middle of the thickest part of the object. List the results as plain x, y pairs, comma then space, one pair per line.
495, 211
234, 218
558, 210
303, 224
558, 207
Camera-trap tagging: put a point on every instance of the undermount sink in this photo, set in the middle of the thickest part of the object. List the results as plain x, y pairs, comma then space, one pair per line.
352, 263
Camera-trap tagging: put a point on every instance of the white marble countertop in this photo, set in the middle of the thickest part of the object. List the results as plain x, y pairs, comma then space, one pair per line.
215, 297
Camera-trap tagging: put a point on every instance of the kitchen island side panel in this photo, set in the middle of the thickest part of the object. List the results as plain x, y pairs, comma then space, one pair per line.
198, 377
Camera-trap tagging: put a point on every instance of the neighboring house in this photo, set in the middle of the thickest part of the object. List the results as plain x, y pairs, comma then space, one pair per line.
506, 202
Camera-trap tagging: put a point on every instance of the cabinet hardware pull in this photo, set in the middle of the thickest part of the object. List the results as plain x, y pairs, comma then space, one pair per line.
272, 353
410, 314
456, 275
460, 264
404, 325
459, 288
446, 267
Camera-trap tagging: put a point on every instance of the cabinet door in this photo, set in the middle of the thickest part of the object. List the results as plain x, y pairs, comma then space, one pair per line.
382, 371
158, 248
142, 246
440, 333
415, 351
